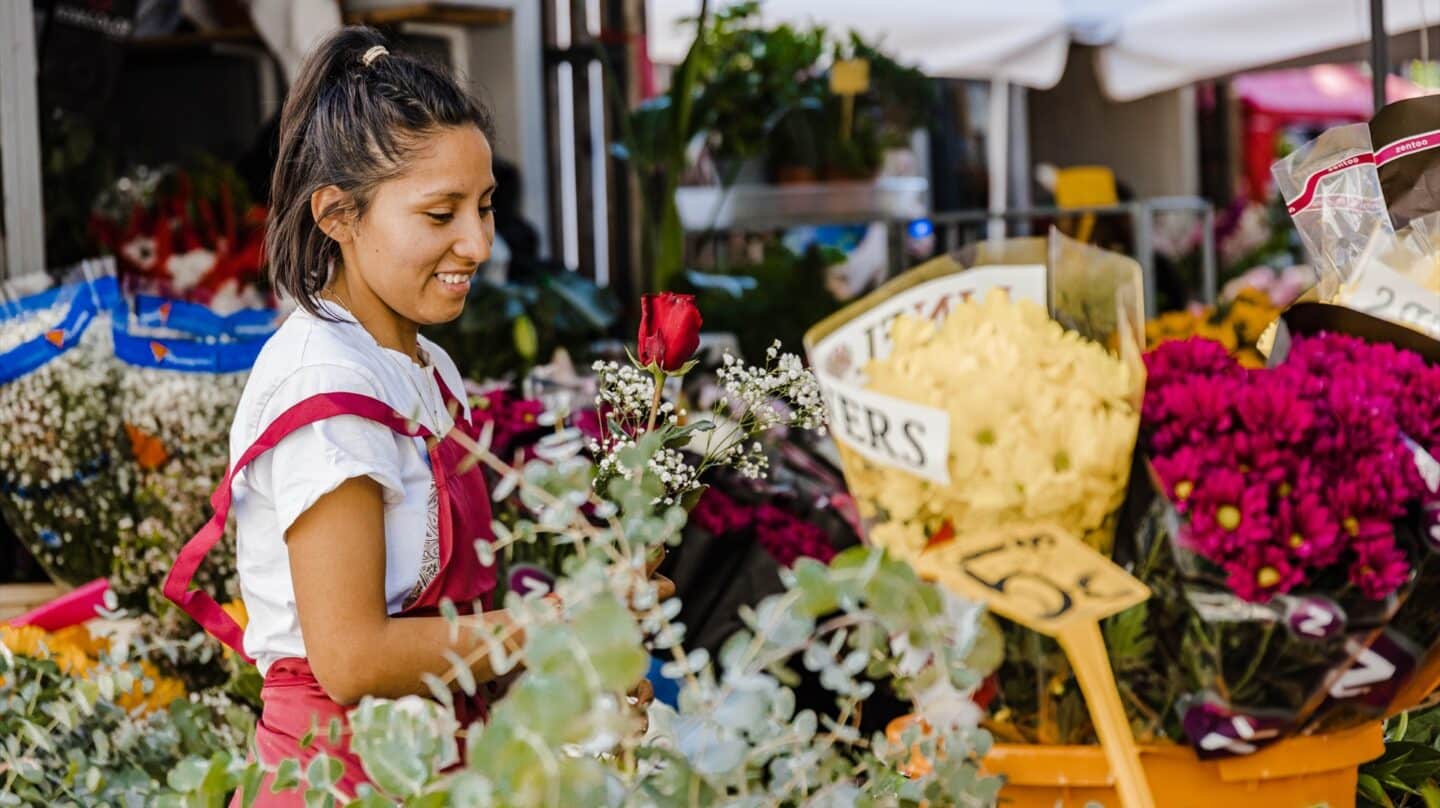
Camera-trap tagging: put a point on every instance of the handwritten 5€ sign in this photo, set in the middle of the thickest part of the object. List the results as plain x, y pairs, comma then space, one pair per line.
1048, 580
1044, 578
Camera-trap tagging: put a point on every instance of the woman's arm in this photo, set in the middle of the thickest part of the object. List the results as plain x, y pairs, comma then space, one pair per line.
337, 562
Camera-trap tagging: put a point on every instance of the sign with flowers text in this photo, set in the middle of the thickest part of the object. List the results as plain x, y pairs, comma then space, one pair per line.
882, 428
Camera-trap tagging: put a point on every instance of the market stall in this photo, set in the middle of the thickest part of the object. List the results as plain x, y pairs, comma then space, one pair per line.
985, 533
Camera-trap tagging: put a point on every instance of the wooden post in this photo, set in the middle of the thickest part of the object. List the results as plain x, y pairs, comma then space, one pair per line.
581, 40
624, 18
24, 223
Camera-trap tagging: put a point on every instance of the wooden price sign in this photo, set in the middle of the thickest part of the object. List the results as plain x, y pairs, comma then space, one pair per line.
1052, 582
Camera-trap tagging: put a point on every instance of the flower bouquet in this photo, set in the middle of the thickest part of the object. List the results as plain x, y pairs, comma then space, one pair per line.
65, 484
1290, 534
186, 235
177, 396
998, 397
1237, 323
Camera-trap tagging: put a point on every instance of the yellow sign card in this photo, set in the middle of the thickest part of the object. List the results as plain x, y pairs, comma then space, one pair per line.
1043, 578
850, 77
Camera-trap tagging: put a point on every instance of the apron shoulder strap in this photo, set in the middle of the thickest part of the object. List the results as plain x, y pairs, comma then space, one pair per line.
454, 405
199, 604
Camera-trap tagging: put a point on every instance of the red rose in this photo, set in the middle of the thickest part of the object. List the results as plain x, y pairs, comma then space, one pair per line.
669, 330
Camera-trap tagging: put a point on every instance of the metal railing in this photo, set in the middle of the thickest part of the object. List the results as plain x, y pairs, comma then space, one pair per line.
950, 234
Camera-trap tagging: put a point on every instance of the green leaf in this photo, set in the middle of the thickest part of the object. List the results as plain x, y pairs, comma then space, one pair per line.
250, 782
527, 341
1127, 638
818, 595
324, 771
613, 642
1430, 793
287, 776
1371, 790
308, 739
188, 774
319, 798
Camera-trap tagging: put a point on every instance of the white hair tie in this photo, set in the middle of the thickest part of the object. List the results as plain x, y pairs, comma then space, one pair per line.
375, 52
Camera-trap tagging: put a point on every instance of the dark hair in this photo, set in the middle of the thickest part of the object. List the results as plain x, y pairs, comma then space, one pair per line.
352, 119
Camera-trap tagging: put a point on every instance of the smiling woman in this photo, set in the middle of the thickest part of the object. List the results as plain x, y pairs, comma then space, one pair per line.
356, 517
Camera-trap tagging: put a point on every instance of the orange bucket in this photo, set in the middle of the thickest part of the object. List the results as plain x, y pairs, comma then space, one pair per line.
1295, 773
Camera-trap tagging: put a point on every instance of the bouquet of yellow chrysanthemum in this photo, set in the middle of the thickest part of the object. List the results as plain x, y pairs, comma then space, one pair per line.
996, 392
957, 398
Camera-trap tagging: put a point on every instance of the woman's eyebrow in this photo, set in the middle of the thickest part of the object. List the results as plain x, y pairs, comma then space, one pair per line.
453, 195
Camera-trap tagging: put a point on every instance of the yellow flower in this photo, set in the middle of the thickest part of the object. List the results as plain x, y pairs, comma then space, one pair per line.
161, 691
236, 610
1041, 425
26, 640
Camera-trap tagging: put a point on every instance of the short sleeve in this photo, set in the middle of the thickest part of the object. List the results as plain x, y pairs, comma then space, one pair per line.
315, 459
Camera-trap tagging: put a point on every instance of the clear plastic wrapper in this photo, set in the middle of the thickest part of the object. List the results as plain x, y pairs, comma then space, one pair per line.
1333, 193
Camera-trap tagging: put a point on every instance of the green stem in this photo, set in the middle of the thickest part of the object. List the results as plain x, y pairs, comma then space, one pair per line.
1255, 660
659, 376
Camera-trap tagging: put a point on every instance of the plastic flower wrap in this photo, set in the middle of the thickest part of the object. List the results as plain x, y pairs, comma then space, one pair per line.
960, 405
177, 396
1363, 200
1290, 536
985, 409
64, 476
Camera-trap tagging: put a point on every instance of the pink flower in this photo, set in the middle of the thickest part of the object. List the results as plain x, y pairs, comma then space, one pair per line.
1295, 474
718, 514
1379, 568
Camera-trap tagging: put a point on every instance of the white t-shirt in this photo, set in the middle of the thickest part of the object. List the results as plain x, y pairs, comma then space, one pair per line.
308, 356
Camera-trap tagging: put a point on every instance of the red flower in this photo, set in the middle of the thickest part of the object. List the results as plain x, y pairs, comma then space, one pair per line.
669, 330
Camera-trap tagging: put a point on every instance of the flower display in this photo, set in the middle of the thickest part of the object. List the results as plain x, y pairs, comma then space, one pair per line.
181, 454
1042, 427
80, 653
186, 235
1288, 474
786, 537
65, 481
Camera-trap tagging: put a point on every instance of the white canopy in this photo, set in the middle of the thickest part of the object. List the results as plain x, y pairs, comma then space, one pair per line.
1163, 44
1022, 41
1143, 46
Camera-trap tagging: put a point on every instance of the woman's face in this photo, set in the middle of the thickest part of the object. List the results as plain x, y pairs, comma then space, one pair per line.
422, 237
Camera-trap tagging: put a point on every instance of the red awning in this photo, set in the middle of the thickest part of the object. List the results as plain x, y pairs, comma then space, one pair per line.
1318, 94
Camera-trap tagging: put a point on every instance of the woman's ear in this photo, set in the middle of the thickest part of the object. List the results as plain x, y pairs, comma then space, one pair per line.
331, 213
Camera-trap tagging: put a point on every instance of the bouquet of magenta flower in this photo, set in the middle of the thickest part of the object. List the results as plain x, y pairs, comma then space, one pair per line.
1295, 512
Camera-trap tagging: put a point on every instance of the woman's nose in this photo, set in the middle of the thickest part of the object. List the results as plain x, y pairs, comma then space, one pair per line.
476, 239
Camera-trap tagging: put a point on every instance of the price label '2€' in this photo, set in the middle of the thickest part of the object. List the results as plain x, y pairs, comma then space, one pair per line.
1049, 581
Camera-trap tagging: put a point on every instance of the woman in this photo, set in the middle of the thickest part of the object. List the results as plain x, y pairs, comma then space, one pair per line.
355, 515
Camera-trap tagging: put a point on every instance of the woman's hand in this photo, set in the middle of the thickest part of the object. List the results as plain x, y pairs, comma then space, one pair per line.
639, 699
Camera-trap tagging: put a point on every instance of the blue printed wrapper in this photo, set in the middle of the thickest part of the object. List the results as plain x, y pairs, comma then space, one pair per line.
64, 483
182, 370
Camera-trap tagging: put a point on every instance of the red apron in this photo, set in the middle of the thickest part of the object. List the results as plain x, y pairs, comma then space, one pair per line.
294, 702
